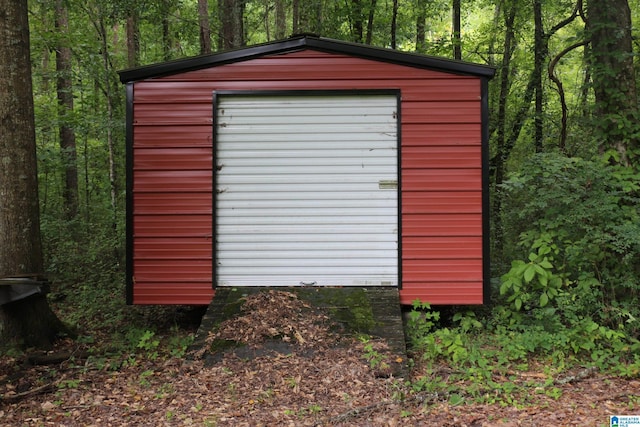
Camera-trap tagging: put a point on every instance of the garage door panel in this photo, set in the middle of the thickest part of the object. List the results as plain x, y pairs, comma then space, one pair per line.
245, 189
262, 277
289, 203
305, 142
271, 262
313, 163
236, 246
307, 217
302, 142
275, 229
363, 179
305, 190
344, 169
338, 197
365, 239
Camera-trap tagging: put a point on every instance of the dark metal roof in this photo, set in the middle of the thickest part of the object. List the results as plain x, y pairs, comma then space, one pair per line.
302, 42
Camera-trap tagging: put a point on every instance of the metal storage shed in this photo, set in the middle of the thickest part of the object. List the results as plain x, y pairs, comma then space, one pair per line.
307, 162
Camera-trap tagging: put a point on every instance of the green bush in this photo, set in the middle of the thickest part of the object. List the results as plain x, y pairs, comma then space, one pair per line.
577, 227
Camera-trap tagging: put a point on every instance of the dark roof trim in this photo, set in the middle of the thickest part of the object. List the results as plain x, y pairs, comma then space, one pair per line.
306, 42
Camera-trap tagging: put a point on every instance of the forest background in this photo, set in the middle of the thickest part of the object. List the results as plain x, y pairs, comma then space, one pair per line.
564, 149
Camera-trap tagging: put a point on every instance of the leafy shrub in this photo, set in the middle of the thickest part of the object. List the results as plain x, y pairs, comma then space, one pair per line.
577, 227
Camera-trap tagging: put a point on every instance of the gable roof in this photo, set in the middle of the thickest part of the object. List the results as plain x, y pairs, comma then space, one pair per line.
301, 42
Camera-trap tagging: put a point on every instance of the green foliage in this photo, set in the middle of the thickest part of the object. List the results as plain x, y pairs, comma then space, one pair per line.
577, 223
533, 282
441, 342
68, 384
149, 344
374, 357
178, 343
483, 353
421, 321
78, 251
144, 376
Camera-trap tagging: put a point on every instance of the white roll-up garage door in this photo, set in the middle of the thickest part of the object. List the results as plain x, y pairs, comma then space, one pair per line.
306, 189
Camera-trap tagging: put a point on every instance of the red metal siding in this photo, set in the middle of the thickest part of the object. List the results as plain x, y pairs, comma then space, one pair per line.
159, 226
441, 192
173, 159
172, 202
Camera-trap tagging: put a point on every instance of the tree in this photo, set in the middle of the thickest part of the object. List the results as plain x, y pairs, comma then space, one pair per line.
421, 18
165, 8
457, 41
356, 18
356, 21
503, 144
613, 75
205, 30
133, 36
28, 320
281, 20
231, 14
64, 88
541, 52
296, 16
539, 56
394, 25
98, 16
372, 10
307, 16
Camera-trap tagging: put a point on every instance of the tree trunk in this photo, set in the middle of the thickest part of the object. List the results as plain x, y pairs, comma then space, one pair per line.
457, 41
113, 181
539, 55
372, 10
281, 20
64, 88
205, 30
30, 320
133, 38
266, 19
502, 150
30, 323
421, 26
231, 23
309, 16
357, 26
296, 16
541, 52
586, 83
167, 42
612, 71
394, 24
97, 17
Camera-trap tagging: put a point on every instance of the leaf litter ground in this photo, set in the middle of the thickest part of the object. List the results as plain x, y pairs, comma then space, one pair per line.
290, 366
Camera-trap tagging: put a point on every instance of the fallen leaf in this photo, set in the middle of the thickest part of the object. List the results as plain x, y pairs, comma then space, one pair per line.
47, 406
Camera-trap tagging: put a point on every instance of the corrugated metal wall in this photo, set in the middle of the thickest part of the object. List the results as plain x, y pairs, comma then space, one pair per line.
441, 193
305, 192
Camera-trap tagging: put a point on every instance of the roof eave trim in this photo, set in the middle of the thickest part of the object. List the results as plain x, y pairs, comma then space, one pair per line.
399, 57
297, 43
204, 61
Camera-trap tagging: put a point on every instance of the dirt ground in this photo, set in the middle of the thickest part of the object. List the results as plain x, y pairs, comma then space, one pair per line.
311, 376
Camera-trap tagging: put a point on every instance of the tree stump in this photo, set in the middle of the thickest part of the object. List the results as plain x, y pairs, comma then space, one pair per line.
29, 322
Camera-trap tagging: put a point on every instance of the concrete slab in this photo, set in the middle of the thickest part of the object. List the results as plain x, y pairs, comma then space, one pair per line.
373, 311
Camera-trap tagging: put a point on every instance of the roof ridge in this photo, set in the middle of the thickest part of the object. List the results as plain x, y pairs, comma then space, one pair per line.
305, 41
